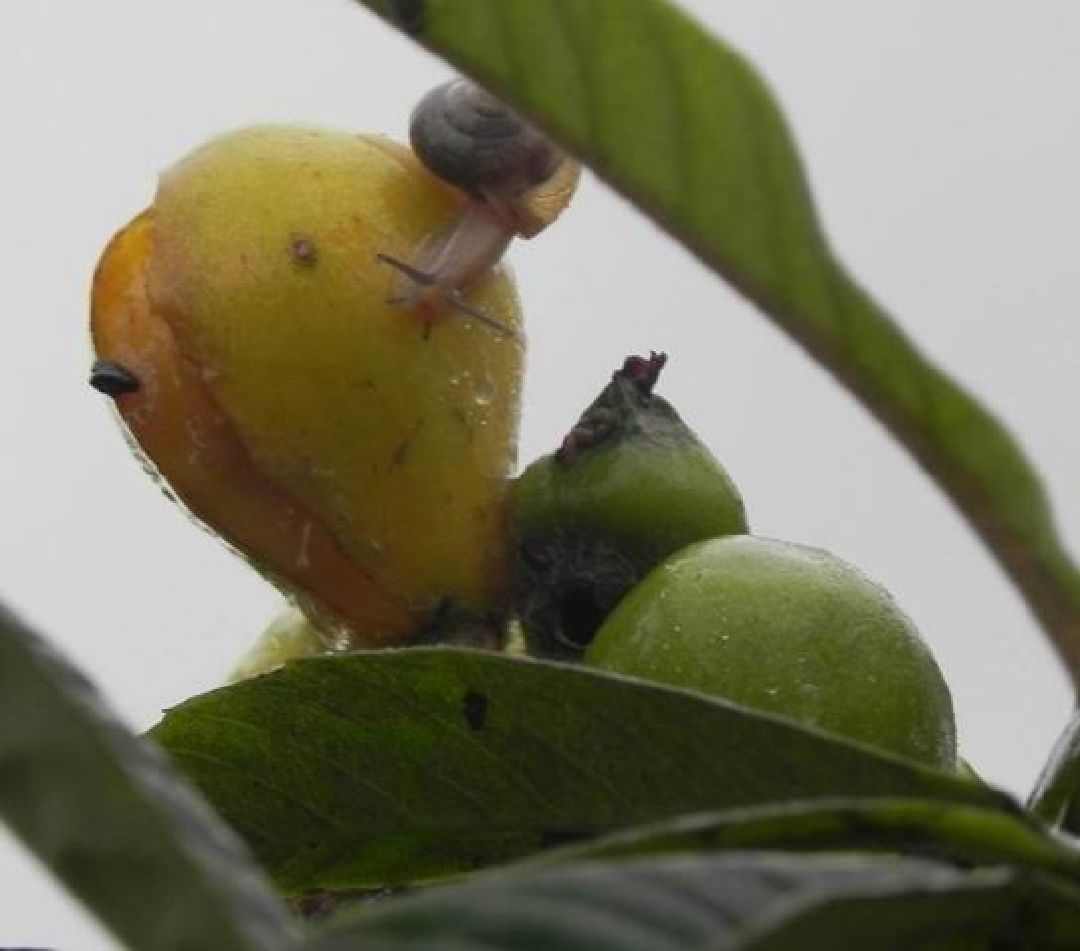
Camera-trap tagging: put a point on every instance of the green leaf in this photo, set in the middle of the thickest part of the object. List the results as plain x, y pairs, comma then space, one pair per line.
686, 129
104, 812
964, 835
736, 901
1056, 796
991, 911
390, 766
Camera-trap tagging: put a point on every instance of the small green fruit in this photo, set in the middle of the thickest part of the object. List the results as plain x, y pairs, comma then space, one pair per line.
788, 629
630, 485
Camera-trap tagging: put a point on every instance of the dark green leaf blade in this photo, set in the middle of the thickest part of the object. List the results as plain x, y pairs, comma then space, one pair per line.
965, 835
733, 901
104, 812
389, 766
685, 128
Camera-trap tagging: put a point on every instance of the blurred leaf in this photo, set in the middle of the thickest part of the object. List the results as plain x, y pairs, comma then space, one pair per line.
1056, 796
735, 901
964, 835
685, 128
391, 766
104, 812
991, 911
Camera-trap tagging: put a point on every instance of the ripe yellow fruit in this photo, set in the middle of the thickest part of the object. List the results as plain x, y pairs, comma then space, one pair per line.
355, 454
789, 629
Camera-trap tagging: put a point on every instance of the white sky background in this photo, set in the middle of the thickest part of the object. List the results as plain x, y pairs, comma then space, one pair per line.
942, 140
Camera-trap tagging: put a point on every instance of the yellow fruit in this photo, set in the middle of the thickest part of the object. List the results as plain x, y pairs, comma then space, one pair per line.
354, 453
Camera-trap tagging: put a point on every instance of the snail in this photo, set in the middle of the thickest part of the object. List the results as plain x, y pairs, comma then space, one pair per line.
517, 182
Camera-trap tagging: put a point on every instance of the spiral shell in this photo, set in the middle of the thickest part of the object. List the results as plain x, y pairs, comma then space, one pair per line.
472, 140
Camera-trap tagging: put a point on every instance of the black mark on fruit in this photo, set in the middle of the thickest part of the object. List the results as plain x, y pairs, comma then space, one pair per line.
474, 708
112, 378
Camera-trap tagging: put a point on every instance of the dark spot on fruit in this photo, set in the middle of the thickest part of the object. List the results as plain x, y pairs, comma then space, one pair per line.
112, 378
400, 454
579, 616
408, 14
474, 707
303, 250
565, 585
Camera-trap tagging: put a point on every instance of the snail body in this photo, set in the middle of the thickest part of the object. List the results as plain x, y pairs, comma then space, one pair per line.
517, 182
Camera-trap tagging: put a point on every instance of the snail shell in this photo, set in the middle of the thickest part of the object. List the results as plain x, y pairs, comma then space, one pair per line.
518, 181
472, 140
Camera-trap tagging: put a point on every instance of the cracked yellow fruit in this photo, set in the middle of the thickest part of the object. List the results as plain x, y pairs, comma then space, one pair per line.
355, 454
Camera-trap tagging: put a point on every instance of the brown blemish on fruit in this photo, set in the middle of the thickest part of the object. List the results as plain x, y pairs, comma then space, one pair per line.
303, 250
400, 454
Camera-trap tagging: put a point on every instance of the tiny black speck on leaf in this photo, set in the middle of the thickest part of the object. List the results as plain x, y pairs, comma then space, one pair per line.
409, 14
475, 709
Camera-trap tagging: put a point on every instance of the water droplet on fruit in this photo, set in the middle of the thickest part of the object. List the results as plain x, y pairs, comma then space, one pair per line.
484, 391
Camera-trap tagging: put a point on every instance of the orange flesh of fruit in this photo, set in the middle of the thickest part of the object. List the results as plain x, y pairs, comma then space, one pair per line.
194, 447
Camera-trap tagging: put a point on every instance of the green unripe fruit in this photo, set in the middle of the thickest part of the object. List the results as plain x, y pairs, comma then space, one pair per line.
630, 485
788, 629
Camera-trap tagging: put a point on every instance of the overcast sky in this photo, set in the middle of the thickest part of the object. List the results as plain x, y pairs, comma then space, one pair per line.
942, 140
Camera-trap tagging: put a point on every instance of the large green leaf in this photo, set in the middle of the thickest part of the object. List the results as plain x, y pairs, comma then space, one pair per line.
685, 128
965, 835
102, 809
736, 901
389, 766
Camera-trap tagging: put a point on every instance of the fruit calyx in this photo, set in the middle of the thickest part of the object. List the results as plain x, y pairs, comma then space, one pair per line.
615, 412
